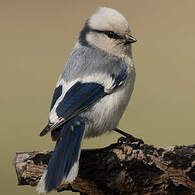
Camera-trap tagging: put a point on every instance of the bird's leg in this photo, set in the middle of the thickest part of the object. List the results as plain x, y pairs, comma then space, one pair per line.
127, 137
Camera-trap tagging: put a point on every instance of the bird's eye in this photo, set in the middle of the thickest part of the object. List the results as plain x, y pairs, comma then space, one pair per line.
112, 35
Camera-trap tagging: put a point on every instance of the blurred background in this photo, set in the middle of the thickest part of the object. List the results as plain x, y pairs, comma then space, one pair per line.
36, 38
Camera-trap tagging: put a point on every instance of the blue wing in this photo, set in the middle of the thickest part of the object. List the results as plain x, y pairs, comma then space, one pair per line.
56, 95
78, 98
120, 78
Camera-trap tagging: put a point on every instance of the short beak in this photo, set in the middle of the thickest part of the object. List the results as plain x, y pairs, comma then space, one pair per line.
129, 39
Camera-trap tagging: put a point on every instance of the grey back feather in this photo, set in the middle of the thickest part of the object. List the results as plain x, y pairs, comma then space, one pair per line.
86, 60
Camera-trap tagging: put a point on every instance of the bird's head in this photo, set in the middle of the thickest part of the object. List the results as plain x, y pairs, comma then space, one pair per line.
108, 30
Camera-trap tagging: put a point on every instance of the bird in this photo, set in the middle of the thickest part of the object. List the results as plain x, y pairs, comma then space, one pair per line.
91, 93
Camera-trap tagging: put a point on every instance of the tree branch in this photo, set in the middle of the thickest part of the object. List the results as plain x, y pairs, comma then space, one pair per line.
126, 167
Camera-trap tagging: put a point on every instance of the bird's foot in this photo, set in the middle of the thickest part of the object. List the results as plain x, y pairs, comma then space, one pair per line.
128, 138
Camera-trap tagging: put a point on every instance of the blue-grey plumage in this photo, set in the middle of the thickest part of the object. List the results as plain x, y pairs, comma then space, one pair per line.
66, 153
91, 93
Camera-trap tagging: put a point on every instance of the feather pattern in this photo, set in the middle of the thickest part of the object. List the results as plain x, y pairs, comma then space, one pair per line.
56, 95
78, 98
63, 164
91, 93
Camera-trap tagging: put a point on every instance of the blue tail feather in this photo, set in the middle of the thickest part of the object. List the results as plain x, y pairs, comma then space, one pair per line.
65, 155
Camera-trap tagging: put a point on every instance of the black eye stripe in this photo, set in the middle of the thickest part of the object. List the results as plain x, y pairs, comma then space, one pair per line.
110, 34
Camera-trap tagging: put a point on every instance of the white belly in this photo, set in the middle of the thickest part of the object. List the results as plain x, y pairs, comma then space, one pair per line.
105, 115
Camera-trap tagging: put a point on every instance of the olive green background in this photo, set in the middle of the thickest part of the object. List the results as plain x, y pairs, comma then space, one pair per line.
36, 38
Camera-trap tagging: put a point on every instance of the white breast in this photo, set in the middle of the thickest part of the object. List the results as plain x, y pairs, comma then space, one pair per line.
105, 114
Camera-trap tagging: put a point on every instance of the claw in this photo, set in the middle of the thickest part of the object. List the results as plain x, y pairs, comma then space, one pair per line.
121, 140
127, 137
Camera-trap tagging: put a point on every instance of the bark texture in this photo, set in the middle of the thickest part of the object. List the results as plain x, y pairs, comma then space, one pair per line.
126, 167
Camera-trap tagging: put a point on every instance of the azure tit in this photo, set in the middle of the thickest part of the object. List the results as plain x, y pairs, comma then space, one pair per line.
91, 93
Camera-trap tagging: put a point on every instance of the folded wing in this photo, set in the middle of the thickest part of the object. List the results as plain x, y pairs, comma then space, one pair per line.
78, 98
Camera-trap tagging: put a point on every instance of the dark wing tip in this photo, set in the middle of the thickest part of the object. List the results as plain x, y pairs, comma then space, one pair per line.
45, 130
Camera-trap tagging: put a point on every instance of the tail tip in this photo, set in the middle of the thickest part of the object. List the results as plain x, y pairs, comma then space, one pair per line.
41, 188
72, 174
